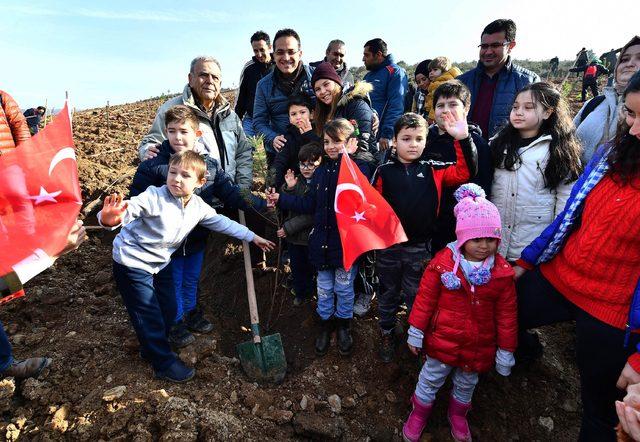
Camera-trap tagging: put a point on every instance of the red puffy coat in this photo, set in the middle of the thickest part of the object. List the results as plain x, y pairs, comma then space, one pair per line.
13, 125
461, 328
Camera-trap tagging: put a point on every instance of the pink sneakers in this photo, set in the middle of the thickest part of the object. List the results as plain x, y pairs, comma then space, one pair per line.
458, 420
417, 420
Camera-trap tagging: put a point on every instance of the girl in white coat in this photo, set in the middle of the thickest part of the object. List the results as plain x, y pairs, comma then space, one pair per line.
537, 159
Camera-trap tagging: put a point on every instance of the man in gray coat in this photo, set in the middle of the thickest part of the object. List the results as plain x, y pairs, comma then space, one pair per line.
222, 135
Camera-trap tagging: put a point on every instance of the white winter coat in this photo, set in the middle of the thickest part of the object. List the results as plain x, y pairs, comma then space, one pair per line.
526, 206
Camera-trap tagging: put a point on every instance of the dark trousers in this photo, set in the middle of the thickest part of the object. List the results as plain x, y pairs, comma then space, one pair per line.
151, 303
399, 269
186, 279
301, 270
600, 351
590, 84
6, 353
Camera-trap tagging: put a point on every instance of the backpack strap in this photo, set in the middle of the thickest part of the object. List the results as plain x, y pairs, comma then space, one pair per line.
590, 106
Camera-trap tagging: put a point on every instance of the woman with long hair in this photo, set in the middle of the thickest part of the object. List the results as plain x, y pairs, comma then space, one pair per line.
585, 266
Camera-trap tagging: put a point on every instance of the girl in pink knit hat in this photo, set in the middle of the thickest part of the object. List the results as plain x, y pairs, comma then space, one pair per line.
464, 318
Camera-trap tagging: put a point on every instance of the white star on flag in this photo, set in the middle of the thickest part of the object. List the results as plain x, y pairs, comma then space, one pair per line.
45, 196
358, 216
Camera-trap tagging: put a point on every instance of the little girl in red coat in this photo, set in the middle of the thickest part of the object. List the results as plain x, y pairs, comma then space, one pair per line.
464, 317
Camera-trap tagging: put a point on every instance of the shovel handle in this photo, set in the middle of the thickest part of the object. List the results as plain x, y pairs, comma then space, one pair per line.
251, 291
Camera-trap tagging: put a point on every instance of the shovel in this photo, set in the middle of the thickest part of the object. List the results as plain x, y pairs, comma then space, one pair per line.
262, 358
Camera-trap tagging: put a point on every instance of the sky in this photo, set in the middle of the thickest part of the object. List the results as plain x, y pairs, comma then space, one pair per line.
122, 51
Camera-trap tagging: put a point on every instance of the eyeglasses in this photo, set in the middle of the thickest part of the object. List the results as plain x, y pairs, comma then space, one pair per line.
485, 46
307, 166
282, 52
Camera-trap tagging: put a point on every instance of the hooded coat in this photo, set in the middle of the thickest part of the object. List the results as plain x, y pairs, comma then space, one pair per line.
356, 105
464, 328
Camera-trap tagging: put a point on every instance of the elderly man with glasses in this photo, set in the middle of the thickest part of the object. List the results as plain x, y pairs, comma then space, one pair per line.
496, 80
291, 76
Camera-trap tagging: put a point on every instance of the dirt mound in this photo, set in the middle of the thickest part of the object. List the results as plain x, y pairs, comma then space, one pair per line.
98, 387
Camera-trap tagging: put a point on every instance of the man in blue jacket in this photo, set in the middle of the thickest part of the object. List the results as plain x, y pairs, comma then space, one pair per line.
291, 76
389, 87
496, 80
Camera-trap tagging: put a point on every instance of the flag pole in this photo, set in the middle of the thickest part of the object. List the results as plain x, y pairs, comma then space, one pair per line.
68, 104
349, 163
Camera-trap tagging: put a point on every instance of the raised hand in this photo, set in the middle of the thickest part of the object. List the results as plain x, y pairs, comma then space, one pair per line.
290, 179
113, 210
264, 244
455, 126
304, 126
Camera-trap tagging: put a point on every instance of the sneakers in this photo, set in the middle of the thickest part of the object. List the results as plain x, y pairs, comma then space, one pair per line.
417, 421
345, 341
27, 368
362, 305
196, 322
324, 337
177, 372
179, 336
387, 346
457, 415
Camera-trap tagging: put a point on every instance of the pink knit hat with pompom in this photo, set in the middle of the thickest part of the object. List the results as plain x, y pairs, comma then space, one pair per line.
476, 217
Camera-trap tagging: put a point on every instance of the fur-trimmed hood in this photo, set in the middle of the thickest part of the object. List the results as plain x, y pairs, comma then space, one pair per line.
360, 90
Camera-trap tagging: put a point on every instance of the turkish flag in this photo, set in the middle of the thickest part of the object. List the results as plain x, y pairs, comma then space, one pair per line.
365, 220
39, 198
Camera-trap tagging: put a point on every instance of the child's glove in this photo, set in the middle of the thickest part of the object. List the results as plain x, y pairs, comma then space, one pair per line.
504, 362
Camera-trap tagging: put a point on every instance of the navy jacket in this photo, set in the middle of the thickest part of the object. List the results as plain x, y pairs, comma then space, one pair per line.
389, 87
154, 171
356, 105
287, 158
251, 74
511, 79
325, 247
270, 116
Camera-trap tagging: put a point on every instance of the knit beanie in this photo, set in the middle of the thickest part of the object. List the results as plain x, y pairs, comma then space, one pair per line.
476, 217
325, 70
423, 68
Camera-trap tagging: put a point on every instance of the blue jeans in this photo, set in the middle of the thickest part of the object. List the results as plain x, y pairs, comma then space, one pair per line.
6, 353
247, 126
151, 303
335, 292
186, 275
301, 270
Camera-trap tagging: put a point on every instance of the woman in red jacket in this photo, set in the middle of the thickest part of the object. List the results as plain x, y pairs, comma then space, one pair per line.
464, 313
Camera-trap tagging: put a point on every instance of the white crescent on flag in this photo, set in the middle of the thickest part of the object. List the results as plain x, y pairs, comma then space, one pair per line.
66, 153
344, 187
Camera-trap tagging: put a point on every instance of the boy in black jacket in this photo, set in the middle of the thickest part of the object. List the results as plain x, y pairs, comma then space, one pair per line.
182, 133
454, 96
412, 186
299, 132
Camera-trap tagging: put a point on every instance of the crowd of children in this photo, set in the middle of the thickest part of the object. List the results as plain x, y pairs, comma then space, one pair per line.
468, 209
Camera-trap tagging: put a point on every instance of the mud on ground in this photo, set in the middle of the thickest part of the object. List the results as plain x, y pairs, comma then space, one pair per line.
98, 388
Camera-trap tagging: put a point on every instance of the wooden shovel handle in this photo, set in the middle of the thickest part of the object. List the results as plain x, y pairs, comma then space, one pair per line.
251, 291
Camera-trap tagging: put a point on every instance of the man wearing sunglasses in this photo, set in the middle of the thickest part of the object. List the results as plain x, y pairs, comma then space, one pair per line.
496, 80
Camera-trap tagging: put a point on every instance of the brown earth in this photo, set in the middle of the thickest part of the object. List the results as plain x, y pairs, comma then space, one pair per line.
98, 388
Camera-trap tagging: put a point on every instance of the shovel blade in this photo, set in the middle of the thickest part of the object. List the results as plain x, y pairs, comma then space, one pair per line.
264, 362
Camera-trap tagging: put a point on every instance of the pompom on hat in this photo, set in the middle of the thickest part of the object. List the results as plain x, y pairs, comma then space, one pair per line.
476, 217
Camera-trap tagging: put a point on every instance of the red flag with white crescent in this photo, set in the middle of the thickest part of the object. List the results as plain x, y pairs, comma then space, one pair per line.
365, 219
39, 199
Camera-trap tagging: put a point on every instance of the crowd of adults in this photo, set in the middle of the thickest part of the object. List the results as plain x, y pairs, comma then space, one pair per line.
276, 72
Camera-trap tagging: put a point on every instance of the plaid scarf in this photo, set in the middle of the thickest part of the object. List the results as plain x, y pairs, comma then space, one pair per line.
420, 98
574, 210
